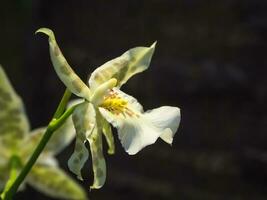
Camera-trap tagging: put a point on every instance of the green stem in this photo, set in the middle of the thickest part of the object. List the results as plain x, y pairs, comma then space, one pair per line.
14, 165
62, 104
55, 123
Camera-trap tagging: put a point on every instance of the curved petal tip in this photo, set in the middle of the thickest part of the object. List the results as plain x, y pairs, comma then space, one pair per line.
46, 31
154, 44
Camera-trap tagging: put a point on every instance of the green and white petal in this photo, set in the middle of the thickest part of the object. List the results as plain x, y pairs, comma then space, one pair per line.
14, 123
106, 128
84, 119
136, 129
63, 69
98, 160
123, 67
55, 183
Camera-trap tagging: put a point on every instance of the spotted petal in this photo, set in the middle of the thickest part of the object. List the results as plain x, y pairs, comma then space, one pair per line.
55, 183
63, 69
98, 160
137, 129
14, 124
106, 128
123, 67
84, 119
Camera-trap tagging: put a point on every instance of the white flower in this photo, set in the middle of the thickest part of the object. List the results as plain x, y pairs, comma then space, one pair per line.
104, 102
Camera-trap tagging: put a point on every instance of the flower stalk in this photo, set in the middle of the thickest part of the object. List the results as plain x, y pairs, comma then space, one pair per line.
14, 165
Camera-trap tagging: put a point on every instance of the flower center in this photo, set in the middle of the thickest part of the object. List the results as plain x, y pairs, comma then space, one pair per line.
114, 104
117, 105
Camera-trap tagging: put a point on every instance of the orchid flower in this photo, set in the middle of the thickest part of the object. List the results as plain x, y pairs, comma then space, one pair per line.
16, 139
104, 103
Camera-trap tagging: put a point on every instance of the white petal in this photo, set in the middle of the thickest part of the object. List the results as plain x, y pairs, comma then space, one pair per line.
165, 118
137, 130
134, 133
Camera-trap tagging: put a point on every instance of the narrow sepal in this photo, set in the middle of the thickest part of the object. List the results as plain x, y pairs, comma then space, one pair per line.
63, 69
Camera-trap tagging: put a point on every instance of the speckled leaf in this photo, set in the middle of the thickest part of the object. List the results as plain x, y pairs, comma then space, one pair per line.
84, 121
63, 69
124, 67
55, 183
13, 121
98, 160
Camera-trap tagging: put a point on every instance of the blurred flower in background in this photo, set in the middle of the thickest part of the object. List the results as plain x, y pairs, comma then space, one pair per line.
16, 140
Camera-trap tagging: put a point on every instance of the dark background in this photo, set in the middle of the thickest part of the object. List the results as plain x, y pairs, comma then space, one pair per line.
210, 61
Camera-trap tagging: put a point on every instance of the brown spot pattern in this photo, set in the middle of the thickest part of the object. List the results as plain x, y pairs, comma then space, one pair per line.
57, 51
65, 69
99, 172
5, 95
77, 85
